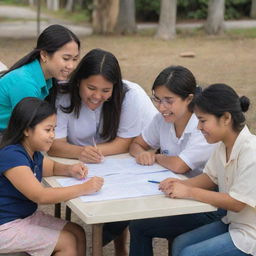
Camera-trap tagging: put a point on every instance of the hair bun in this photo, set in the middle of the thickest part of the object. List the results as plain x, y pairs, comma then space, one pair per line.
244, 103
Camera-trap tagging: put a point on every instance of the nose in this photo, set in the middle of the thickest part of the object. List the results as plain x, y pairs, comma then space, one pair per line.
71, 65
161, 106
199, 126
52, 134
97, 95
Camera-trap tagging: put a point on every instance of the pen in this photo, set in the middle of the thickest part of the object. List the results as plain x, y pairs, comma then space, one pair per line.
154, 181
95, 145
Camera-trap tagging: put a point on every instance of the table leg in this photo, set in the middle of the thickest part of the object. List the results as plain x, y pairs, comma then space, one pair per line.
97, 239
57, 210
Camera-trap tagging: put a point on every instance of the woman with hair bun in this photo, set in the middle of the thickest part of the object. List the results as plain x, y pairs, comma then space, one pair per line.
232, 168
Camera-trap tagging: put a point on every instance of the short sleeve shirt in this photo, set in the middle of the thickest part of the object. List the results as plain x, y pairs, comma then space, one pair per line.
137, 112
26, 81
191, 147
237, 177
13, 204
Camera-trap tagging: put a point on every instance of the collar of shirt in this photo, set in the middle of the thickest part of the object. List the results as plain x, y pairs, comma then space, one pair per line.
244, 135
34, 67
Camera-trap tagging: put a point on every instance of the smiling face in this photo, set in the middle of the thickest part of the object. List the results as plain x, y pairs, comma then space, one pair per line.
41, 137
95, 90
61, 63
170, 105
214, 129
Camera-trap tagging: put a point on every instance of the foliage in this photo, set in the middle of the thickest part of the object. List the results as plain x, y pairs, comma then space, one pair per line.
148, 10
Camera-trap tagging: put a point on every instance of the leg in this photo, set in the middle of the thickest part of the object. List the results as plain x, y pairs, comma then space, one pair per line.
97, 239
120, 244
66, 245
143, 231
212, 239
79, 234
116, 231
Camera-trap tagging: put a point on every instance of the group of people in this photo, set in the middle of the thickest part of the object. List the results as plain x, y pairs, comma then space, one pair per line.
51, 101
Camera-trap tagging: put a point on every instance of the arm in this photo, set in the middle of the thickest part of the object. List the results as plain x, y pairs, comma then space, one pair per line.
197, 189
139, 149
117, 146
21, 176
174, 163
61, 148
51, 168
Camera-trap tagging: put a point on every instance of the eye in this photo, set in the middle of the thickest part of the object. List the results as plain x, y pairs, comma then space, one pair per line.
106, 90
91, 88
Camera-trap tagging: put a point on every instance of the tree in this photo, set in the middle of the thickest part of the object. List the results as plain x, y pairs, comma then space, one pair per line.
167, 21
70, 5
104, 16
253, 9
126, 23
53, 5
215, 18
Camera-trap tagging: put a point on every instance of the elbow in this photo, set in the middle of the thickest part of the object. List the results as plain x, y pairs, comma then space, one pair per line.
180, 169
238, 207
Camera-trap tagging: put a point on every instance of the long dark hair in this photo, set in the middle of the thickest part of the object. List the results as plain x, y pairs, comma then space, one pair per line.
217, 99
50, 40
27, 113
99, 62
177, 79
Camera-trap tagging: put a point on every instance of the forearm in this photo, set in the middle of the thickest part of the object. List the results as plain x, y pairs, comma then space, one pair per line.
57, 195
172, 163
220, 200
135, 149
61, 169
65, 149
117, 146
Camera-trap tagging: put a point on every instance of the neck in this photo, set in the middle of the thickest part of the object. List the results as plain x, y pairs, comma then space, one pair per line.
229, 142
181, 124
43, 66
28, 148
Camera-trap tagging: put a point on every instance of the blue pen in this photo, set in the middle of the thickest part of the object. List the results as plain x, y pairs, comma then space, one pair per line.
154, 181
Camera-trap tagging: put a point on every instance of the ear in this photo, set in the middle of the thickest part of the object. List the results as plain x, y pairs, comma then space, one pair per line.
26, 132
190, 97
227, 118
43, 55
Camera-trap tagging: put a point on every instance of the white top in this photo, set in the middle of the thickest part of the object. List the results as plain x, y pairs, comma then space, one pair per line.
3, 67
137, 112
191, 147
237, 177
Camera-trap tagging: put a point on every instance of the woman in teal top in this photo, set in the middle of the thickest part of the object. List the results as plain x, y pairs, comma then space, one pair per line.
35, 75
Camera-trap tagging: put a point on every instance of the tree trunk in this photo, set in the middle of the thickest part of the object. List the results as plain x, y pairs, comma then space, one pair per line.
53, 5
70, 5
215, 18
167, 21
126, 23
32, 2
104, 16
253, 10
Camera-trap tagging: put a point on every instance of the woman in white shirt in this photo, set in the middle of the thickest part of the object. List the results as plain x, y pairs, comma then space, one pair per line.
101, 113
174, 130
232, 167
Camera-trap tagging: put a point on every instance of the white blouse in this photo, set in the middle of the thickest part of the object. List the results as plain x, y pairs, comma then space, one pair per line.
191, 147
137, 111
237, 177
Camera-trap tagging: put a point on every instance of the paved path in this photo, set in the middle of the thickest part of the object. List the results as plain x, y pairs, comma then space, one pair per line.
23, 24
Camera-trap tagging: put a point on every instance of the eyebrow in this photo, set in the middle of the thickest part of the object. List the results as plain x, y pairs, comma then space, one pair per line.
69, 55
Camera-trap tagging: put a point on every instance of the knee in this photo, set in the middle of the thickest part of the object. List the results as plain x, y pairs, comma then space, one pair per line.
77, 231
67, 243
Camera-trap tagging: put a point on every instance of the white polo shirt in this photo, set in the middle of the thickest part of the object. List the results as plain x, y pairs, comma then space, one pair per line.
191, 147
237, 177
137, 112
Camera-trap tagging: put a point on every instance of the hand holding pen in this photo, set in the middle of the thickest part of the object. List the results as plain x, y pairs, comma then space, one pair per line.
91, 154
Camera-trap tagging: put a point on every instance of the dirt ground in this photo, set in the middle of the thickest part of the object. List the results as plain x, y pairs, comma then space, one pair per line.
217, 59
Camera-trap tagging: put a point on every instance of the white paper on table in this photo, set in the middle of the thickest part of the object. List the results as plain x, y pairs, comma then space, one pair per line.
123, 185
120, 165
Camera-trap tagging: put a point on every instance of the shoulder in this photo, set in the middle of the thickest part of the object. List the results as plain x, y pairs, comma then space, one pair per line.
134, 89
12, 156
63, 100
20, 77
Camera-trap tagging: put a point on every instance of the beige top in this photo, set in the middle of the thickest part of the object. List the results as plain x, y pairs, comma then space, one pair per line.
237, 177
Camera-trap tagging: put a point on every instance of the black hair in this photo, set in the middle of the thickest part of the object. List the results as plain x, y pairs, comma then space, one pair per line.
217, 99
26, 114
99, 62
50, 40
177, 79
